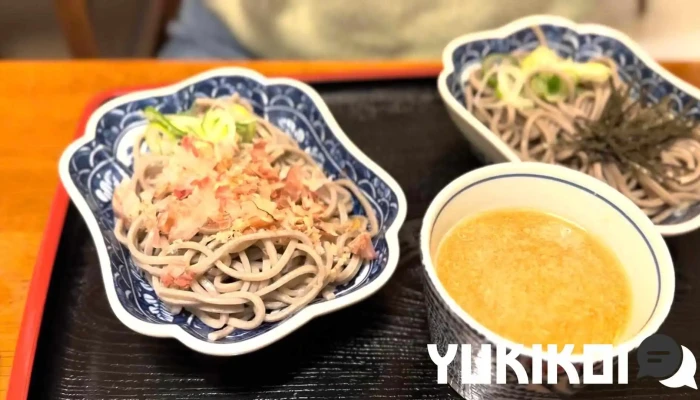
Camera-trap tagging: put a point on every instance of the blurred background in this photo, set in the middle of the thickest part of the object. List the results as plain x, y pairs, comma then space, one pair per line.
63, 29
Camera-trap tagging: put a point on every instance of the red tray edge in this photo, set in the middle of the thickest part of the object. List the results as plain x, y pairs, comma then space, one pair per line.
20, 374
25, 350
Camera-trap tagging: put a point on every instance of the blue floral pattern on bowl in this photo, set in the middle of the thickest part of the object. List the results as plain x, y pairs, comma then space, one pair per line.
93, 166
580, 42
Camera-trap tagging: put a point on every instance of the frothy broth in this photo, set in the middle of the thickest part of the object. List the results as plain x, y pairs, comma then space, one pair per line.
535, 278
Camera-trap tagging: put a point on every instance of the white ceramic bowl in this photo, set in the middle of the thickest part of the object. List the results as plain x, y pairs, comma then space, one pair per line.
578, 41
577, 197
93, 165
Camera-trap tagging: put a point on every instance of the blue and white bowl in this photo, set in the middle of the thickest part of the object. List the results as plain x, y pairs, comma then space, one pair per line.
591, 204
92, 166
578, 41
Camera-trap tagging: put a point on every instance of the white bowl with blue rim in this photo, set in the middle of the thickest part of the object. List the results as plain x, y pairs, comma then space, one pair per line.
578, 41
91, 167
582, 199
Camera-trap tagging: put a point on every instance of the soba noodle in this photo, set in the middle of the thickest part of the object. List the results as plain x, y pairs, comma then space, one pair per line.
280, 235
532, 133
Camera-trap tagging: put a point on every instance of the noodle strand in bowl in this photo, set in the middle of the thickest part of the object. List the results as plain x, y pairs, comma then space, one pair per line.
584, 116
230, 220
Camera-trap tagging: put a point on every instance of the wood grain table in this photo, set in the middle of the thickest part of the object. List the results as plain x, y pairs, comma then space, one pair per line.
42, 103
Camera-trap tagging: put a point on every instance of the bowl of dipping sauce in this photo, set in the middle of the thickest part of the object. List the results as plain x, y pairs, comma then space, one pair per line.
523, 254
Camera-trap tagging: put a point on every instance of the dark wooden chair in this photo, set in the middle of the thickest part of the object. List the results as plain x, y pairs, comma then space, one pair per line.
76, 25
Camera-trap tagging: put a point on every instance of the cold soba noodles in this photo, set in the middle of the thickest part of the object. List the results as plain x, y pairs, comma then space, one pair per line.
231, 220
584, 116
535, 278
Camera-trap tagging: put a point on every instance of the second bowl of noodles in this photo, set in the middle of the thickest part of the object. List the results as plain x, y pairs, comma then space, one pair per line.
584, 96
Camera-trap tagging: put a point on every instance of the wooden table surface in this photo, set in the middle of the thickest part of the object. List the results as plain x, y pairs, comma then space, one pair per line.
42, 103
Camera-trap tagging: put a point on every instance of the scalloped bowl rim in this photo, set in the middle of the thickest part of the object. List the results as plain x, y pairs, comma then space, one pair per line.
172, 330
580, 28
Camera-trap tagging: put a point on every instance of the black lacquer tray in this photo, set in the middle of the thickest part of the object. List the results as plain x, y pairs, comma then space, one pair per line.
373, 350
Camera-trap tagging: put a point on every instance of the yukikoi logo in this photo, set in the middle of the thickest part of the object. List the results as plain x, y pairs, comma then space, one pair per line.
659, 356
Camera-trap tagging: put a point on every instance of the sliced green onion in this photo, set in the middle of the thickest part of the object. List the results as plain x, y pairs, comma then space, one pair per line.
542, 56
158, 119
492, 82
153, 139
538, 84
549, 87
176, 126
159, 142
510, 85
246, 131
493, 60
554, 85
556, 89
245, 123
591, 71
217, 125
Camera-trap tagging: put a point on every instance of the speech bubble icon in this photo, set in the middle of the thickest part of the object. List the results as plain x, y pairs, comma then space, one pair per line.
686, 373
659, 356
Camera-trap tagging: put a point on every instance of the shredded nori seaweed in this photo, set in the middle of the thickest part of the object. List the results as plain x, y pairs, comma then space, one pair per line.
633, 131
